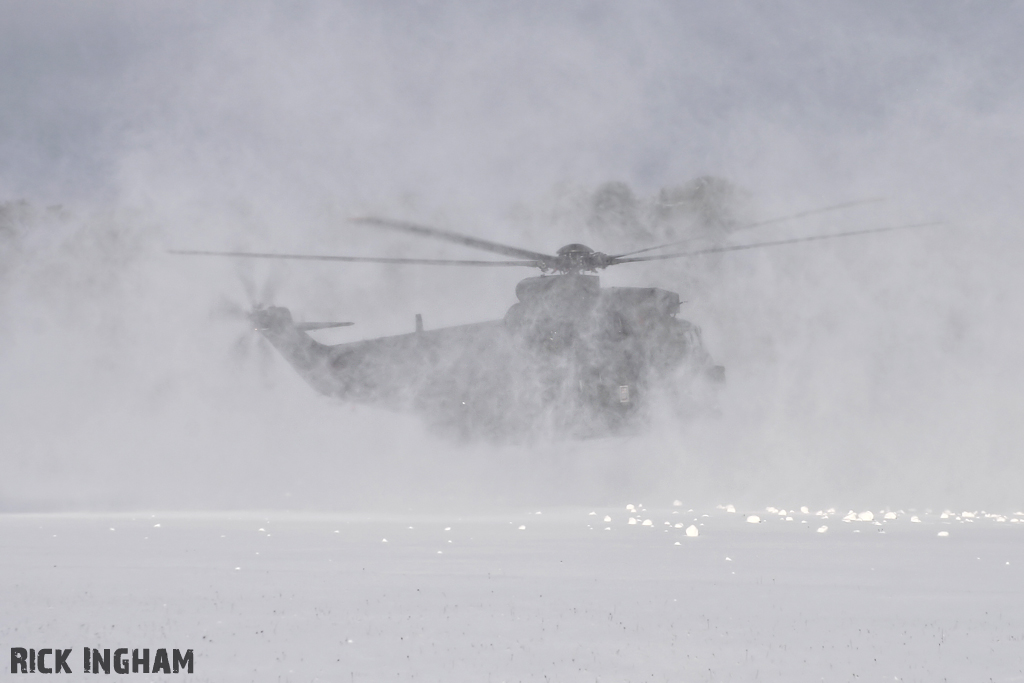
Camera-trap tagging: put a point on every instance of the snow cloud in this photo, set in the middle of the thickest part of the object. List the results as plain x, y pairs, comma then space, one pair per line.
882, 371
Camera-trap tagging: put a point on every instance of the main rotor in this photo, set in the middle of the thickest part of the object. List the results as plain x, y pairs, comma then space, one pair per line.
579, 258
572, 259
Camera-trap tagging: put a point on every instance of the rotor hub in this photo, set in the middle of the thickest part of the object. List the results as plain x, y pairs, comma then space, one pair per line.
579, 258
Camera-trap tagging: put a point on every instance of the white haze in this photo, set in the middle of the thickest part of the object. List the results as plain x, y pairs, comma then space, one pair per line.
883, 370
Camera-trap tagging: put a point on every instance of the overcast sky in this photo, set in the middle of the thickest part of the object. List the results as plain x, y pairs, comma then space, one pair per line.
431, 97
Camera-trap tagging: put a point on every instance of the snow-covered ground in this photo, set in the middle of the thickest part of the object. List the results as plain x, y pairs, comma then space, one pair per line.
561, 595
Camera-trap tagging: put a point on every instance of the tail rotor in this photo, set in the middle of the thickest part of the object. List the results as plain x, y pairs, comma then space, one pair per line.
249, 346
259, 313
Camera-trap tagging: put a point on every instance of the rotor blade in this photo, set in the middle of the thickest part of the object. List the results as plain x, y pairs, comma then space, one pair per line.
780, 219
227, 309
248, 285
270, 286
756, 245
812, 212
660, 246
360, 259
457, 238
242, 347
266, 357
319, 326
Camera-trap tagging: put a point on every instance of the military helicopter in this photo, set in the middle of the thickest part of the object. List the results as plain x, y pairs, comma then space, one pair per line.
570, 358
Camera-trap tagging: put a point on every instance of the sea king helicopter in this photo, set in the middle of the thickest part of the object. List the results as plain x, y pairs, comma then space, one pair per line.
570, 358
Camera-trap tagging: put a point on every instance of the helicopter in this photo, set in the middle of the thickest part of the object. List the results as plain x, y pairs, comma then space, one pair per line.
570, 358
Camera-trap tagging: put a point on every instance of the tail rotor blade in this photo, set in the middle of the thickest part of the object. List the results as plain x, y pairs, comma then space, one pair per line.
242, 347
266, 357
226, 309
248, 285
270, 287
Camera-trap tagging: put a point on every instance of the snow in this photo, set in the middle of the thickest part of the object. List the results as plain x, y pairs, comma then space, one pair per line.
860, 371
558, 602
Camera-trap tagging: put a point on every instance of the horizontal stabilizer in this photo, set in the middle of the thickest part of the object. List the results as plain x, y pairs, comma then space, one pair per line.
305, 327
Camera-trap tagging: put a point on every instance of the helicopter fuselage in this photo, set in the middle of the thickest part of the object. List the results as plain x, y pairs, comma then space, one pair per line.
569, 356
